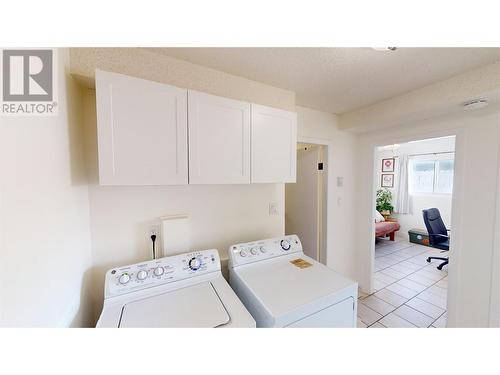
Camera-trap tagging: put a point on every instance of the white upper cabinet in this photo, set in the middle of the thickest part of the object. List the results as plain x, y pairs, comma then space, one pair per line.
148, 132
274, 145
219, 140
142, 131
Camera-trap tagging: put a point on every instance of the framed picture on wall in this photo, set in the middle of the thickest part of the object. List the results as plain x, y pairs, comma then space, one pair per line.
388, 165
387, 180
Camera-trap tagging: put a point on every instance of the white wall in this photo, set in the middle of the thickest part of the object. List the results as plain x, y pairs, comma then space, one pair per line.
44, 216
321, 127
474, 213
420, 201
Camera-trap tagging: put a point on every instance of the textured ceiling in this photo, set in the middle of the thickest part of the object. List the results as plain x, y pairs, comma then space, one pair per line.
339, 80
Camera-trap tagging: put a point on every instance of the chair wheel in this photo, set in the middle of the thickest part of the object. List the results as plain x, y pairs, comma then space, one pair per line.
428, 260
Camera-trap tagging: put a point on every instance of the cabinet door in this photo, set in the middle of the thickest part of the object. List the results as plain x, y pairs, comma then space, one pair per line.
219, 140
142, 131
274, 145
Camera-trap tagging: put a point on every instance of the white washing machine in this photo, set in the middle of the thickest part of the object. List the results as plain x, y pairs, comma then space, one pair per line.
185, 290
282, 287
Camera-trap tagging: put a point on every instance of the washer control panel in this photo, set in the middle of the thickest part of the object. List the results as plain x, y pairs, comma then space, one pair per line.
250, 252
143, 275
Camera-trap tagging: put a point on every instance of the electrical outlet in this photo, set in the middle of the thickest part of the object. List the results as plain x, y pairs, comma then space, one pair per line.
273, 209
154, 229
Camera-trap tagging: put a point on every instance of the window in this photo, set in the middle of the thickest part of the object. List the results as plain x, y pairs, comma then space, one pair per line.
431, 176
444, 183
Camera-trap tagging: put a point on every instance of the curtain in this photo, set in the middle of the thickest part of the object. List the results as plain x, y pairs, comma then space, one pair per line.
402, 204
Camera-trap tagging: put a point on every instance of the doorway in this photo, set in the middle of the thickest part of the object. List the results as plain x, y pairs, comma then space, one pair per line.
407, 290
306, 200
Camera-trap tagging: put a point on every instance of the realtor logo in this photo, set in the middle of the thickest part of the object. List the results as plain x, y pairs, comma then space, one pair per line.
27, 75
28, 82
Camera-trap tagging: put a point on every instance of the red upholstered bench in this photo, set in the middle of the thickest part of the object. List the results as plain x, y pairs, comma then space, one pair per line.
386, 228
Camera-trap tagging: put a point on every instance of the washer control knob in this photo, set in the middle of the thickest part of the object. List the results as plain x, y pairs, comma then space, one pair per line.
285, 245
124, 278
254, 250
141, 275
243, 253
194, 264
158, 271
263, 249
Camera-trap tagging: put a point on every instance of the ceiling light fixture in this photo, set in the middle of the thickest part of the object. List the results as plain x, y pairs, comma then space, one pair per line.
475, 104
384, 49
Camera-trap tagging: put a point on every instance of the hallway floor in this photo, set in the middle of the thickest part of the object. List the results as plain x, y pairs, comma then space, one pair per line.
409, 292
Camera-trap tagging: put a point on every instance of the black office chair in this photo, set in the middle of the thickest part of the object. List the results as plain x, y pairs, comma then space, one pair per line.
438, 234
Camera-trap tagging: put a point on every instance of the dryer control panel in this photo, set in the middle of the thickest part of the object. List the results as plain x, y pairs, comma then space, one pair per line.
250, 252
143, 275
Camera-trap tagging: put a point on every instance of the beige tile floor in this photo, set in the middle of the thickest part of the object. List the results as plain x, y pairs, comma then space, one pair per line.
409, 292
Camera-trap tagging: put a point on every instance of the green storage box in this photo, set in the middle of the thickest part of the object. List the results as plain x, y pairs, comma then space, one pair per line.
419, 236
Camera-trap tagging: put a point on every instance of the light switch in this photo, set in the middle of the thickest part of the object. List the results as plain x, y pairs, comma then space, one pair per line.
340, 181
273, 209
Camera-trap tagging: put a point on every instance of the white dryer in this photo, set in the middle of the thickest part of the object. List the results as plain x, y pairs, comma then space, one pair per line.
282, 287
185, 290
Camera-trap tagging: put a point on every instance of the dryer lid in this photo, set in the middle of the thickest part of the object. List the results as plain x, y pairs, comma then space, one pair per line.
196, 306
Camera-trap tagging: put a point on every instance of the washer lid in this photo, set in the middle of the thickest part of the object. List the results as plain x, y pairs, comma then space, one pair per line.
293, 283
195, 306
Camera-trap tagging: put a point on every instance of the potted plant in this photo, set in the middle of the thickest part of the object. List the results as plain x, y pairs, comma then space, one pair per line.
384, 202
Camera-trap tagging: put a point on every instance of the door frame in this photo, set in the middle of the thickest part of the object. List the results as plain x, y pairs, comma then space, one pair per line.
369, 258
328, 193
